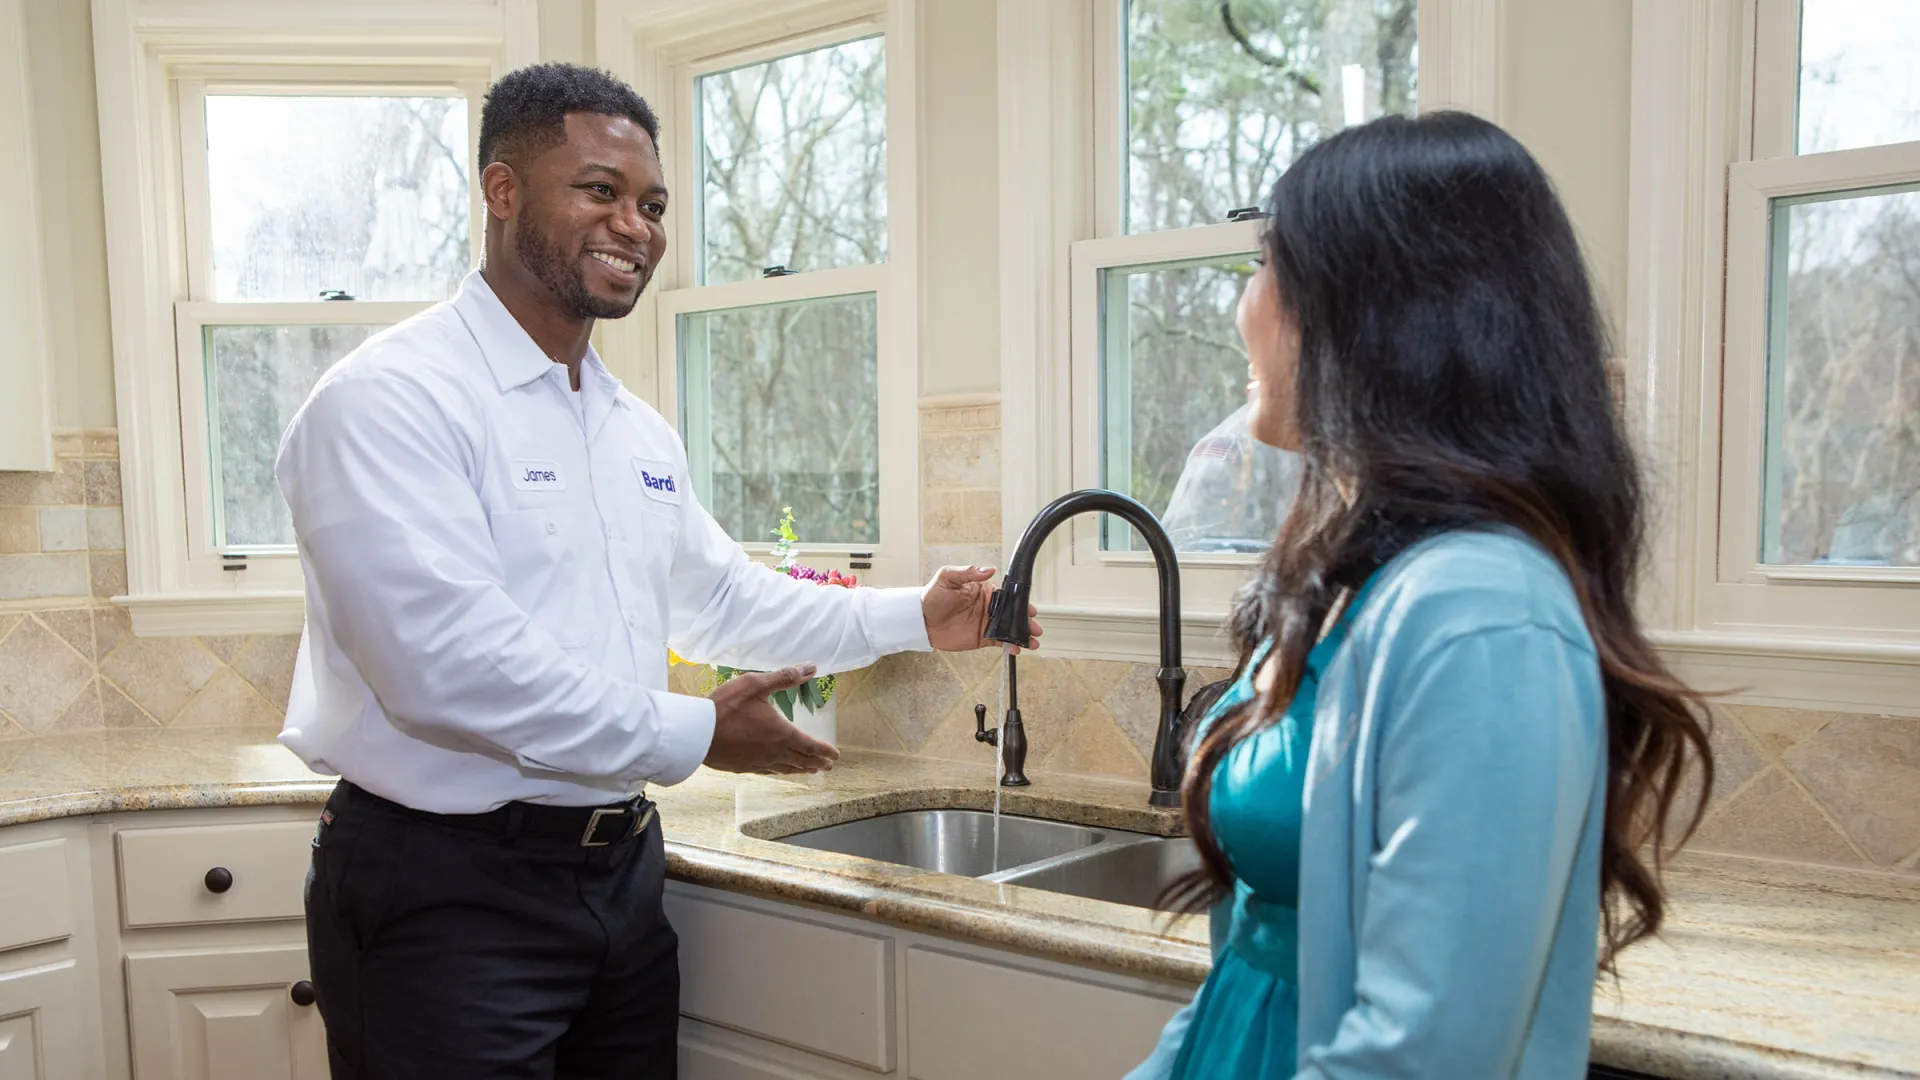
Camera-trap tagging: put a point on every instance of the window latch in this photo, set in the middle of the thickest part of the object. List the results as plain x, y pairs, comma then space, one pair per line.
862, 560
233, 562
777, 271
335, 294
1246, 213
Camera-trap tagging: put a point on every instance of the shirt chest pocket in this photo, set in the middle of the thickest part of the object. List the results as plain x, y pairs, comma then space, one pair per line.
552, 562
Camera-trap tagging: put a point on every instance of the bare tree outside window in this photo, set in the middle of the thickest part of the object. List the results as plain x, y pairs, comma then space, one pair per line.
793, 420
780, 403
1843, 430
1220, 98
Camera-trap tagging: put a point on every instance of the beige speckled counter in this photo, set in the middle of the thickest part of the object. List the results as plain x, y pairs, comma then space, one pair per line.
1765, 970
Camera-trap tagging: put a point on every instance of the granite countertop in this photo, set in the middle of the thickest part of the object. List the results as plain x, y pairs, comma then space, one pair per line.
1765, 970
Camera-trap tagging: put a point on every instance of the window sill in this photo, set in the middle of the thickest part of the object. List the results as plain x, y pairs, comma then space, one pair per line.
1797, 673
215, 614
1082, 633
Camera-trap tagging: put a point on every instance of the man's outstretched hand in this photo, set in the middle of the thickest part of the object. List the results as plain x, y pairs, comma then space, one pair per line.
955, 606
751, 736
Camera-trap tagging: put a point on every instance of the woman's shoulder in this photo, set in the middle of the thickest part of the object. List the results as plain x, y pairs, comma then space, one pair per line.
1471, 581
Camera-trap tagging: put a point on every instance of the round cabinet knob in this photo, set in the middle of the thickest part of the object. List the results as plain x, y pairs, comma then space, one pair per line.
219, 879
301, 993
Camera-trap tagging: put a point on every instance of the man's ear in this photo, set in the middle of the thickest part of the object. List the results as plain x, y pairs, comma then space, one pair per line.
500, 189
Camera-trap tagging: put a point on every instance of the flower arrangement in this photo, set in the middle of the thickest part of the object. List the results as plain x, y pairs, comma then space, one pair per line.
817, 691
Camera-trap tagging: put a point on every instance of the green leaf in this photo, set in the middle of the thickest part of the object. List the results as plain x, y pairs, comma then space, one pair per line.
784, 699
810, 695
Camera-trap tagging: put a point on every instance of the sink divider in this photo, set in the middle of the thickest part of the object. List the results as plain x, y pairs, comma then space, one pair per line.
1109, 840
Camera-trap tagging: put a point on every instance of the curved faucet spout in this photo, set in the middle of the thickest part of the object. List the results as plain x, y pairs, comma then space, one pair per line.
1007, 619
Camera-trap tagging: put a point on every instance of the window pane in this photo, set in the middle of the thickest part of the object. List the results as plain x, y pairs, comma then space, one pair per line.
1843, 380
1222, 97
257, 377
1859, 85
367, 195
794, 159
1172, 369
780, 406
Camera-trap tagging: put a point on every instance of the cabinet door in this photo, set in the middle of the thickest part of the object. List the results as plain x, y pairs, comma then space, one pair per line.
223, 1014
40, 1025
970, 1018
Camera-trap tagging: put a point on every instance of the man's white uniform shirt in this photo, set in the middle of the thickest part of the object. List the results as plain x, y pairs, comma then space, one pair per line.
495, 572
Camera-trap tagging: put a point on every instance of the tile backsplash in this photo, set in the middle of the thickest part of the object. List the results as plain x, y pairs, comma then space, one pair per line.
68, 657
1824, 787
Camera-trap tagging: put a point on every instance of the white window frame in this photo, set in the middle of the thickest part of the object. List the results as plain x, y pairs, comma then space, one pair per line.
663, 47
1714, 86
273, 567
151, 59
1062, 156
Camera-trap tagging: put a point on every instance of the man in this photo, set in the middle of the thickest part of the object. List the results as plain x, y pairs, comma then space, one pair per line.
500, 544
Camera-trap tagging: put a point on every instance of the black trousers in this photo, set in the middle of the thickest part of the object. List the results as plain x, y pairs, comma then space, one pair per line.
438, 952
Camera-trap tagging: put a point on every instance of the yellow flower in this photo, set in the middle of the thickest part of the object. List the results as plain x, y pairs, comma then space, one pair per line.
673, 658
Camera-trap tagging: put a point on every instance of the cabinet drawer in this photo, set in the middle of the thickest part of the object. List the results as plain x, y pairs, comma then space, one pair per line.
970, 1018
36, 901
164, 873
790, 980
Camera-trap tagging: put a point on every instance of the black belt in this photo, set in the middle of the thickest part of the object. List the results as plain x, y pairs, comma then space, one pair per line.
588, 826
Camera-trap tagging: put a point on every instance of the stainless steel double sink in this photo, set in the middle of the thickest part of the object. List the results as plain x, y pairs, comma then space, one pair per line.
1078, 860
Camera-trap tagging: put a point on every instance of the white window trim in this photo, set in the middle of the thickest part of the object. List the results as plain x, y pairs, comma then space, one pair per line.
661, 46
1788, 637
141, 49
1057, 220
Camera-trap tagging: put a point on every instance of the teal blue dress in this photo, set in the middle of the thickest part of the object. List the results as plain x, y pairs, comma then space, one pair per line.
1242, 1024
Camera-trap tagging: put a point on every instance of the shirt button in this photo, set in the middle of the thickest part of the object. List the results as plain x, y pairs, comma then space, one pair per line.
632, 623
552, 528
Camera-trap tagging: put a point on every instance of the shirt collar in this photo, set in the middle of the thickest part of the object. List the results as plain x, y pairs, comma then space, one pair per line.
510, 352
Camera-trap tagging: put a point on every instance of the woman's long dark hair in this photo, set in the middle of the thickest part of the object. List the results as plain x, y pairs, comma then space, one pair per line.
1453, 374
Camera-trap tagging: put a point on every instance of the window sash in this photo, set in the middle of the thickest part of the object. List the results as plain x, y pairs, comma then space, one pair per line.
191, 94
1752, 187
689, 209
275, 565
1208, 580
684, 397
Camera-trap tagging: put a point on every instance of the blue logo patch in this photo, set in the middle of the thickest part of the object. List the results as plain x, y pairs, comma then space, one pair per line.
657, 479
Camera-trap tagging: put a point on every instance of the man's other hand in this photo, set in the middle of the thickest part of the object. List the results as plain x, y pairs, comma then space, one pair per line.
750, 735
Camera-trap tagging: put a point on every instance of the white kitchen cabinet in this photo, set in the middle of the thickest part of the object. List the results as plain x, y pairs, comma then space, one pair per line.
970, 1016
820, 987
228, 1013
783, 991
41, 1028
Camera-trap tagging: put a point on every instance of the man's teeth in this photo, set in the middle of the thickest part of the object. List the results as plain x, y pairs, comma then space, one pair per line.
618, 264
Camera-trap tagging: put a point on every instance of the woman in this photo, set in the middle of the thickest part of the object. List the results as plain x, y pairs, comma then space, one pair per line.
1423, 808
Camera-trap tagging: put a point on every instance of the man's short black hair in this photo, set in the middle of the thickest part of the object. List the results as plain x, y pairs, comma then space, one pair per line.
526, 111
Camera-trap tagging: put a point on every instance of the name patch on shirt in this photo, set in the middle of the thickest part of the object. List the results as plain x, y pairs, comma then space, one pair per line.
538, 476
659, 480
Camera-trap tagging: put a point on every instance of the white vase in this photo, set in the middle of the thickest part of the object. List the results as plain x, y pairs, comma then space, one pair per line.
817, 723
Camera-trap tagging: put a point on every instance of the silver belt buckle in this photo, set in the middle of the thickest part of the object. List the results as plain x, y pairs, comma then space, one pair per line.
640, 822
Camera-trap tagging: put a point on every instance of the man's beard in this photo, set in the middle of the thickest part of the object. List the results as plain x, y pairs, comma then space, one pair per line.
549, 264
